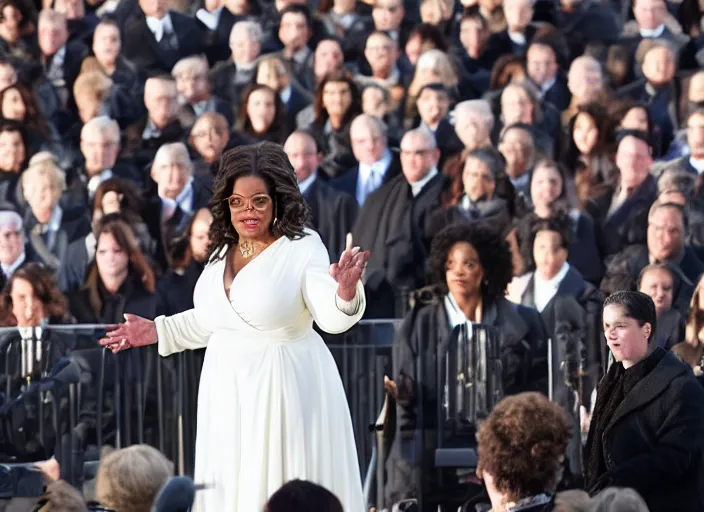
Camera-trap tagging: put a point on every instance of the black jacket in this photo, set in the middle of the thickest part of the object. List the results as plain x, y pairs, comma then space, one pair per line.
140, 46
653, 442
424, 335
347, 181
333, 215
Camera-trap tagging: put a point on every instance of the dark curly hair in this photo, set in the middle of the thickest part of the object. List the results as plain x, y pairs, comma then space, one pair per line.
301, 495
494, 256
521, 444
45, 289
269, 162
559, 222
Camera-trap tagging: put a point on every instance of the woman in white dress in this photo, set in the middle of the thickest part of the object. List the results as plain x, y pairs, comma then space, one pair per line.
271, 406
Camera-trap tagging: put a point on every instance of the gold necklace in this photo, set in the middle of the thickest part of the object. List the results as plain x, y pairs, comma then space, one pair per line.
246, 249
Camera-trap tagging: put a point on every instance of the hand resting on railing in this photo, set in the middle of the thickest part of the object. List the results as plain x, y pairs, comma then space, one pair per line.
135, 332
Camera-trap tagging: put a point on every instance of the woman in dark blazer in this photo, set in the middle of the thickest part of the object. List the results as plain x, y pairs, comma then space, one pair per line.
646, 427
469, 268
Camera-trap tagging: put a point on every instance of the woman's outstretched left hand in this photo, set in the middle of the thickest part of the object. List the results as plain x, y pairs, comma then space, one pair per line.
349, 269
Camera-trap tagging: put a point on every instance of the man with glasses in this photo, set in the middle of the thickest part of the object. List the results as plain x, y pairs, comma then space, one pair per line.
392, 225
667, 227
693, 163
333, 212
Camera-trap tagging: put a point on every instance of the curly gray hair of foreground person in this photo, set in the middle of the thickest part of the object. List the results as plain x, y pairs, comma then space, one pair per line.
618, 499
129, 479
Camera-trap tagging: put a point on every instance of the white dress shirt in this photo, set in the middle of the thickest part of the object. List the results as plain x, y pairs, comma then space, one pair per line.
544, 88
95, 181
371, 177
544, 291
304, 185
697, 163
159, 27
417, 187
455, 315
184, 201
285, 95
647, 33
517, 38
55, 73
209, 19
8, 270
151, 131
202, 107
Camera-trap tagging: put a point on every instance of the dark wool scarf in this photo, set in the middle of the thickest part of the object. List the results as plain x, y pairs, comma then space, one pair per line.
611, 392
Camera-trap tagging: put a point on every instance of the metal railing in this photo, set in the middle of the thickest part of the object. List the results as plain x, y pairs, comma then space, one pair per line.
85, 397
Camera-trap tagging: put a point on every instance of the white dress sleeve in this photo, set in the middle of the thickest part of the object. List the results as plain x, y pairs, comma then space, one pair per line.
320, 294
180, 332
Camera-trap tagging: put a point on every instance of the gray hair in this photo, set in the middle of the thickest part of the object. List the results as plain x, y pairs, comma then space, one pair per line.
52, 17
369, 121
44, 168
616, 499
477, 108
422, 134
11, 219
174, 152
676, 180
248, 28
107, 127
190, 66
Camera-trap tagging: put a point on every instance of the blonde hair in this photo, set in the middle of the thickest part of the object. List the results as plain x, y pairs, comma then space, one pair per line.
129, 479
44, 168
92, 85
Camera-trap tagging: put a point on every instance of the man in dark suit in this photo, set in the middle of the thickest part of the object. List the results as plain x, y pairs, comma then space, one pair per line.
13, 254
667, 227
391, 222
230, 78
387, 16
217, 26
377, 163
433, 107
333, 212
517, 36
620, 212
544, 70
61, 60
179, 195
160, 38
191, 75
693, 163
295, 34
159, 126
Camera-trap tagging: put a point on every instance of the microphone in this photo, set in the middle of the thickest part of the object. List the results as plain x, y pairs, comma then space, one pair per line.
176, 495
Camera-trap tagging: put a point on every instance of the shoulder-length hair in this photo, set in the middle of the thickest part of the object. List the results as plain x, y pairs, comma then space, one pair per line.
277, 129
128, 194
32, 117
45, 289
341, 76
269, 162
137, 263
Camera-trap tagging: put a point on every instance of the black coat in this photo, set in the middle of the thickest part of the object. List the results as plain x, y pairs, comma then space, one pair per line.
653, 443
390, 224
174, 292
142, 151
628, 224
559, 96
131, 298
585, 320
140, 46
424, 335
333, 215
217, 42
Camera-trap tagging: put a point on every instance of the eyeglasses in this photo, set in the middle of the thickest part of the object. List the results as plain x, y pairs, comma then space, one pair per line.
238, 203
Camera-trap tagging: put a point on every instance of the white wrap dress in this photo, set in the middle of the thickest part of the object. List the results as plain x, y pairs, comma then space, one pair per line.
271, 406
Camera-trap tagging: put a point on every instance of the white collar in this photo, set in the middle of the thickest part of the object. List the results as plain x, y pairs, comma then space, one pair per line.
647, 33
54, 223
203, 106
304, 185
160, 26
151, 131
544, 291
10, 269
301, 55
516, 38
545, 87
184, 201
95, 181
285, 94
417, 187
697, 163
209, 19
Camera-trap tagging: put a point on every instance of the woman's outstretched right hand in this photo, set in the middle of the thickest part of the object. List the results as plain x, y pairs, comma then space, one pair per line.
135, 332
